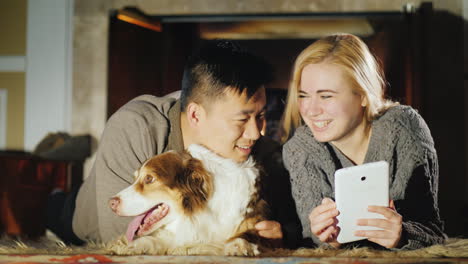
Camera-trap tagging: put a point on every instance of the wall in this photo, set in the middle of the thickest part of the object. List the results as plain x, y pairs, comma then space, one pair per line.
48, 68
35, 66
13, 27
12, 66
14, 83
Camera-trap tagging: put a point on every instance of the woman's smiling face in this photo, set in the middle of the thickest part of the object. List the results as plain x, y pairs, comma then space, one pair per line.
328, 104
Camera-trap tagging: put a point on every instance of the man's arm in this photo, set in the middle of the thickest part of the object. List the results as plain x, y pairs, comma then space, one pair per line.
277, 193
128, 140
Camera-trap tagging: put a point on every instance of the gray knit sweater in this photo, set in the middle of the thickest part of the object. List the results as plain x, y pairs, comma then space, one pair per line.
400, 137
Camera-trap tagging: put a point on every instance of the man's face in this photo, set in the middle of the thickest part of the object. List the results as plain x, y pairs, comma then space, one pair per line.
231, 125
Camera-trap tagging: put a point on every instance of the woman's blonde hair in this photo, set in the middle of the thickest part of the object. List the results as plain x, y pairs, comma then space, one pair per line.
352, 55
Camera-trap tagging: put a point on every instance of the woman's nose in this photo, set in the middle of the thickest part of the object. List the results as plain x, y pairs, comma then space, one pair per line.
312, 108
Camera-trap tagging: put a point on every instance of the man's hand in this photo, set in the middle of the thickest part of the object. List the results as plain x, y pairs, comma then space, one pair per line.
269, 229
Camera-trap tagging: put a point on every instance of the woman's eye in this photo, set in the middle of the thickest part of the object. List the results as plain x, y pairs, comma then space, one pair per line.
149, 179
325, 96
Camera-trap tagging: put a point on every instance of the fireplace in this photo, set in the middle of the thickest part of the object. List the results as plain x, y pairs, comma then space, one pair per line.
147, 53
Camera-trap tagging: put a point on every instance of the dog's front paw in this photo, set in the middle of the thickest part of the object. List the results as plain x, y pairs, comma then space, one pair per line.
240, 247
143, 245
118, 246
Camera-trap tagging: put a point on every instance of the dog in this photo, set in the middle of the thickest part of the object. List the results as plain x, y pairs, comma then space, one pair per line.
194, 202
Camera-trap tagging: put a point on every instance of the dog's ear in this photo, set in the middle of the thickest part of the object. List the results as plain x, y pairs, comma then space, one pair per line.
196, 185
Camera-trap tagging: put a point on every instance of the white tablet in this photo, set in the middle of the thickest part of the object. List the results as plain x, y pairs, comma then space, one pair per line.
356, 188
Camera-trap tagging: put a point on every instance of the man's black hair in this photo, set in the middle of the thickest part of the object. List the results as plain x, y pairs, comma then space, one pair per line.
219, 64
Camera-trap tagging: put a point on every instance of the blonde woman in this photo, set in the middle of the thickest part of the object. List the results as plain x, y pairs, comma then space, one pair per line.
340, 118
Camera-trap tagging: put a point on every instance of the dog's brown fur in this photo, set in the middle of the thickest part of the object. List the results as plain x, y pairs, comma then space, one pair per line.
184, 180
181, 171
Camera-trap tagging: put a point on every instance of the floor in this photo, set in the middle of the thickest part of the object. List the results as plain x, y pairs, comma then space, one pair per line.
43, 250
35, 259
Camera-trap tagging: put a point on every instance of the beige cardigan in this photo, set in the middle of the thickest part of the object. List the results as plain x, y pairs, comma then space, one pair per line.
145, 126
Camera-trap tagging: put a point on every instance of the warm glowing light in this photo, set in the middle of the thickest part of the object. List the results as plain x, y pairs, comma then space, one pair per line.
285, 29
149, 25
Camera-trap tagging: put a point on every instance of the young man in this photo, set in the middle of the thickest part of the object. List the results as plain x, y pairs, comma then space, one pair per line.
222, 107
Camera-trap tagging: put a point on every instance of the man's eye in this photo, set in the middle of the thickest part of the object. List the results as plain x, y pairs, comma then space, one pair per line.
325, 96
149, 179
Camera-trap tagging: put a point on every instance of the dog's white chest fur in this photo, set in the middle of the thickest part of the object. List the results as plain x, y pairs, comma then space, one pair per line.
233, 187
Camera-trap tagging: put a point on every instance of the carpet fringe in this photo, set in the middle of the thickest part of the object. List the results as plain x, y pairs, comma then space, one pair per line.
452, 248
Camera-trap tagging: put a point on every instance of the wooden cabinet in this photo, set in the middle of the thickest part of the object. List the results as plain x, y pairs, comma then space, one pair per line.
25, 183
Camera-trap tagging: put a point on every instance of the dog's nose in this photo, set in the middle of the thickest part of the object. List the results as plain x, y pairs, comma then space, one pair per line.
114, 203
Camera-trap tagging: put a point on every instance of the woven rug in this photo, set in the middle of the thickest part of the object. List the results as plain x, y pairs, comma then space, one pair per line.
46, 250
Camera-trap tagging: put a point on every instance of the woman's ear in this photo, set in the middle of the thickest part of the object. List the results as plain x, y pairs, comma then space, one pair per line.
364, 101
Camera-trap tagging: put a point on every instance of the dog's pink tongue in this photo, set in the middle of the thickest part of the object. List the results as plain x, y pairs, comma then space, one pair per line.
133, 227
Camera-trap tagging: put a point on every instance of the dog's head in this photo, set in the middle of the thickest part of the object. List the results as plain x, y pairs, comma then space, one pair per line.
167, 186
